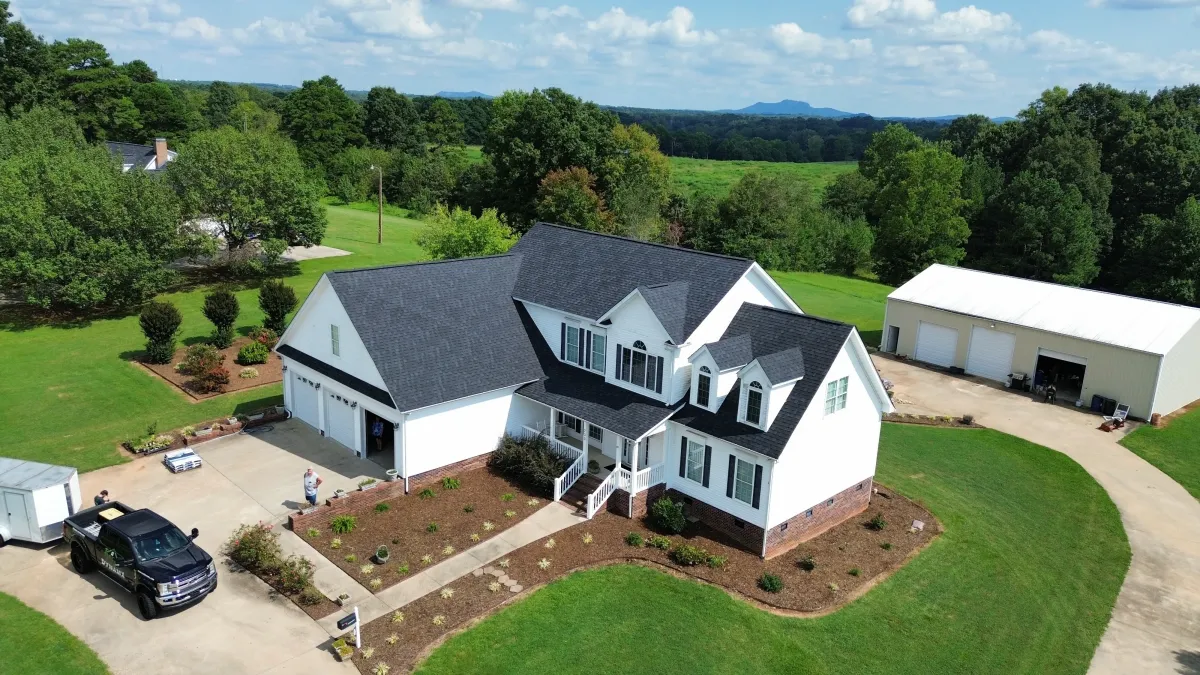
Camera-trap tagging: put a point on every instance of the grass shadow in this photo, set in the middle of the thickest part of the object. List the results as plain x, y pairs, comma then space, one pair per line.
255, 405
1189, 662
872, 338
21, 317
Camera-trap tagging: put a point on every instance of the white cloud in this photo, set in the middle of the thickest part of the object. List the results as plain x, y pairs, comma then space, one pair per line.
1144, 4
793, 39
1099, 59
676, 29
968, 24
873, 13
270, 28
560, 12
402, 18
503, 5
562, 41
945, 65
195, 27
228, 50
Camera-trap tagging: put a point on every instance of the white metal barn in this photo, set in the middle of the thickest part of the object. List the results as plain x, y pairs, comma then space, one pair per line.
1088, 343
36, 499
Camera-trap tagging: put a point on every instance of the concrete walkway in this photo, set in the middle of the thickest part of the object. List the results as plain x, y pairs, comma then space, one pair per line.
546, 521
1155, 626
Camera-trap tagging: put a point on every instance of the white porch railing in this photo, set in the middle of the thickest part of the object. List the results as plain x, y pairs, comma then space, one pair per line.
651, 475
575, 456
619, 478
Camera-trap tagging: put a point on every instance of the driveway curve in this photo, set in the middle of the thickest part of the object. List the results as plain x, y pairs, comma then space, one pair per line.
1155, 625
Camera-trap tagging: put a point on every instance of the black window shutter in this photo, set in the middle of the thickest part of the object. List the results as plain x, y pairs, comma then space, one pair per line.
707, 462
586, 361
729, 478
658, 377
620, 365
757, 484
562, 343
682, 456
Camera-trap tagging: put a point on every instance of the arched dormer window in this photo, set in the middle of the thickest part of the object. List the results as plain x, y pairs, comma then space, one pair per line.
754, 398
637, 366
638, 344
704, 387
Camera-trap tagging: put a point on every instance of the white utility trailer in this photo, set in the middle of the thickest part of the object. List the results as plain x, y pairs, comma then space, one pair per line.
35, 499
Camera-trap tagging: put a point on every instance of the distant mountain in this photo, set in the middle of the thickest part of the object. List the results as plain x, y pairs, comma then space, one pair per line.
790, 108
463, 94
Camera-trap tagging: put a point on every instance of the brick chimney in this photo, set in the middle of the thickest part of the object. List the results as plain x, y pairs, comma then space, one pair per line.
160, 153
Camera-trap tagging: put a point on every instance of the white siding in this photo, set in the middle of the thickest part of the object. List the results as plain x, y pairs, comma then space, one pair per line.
49, 507
632, 322
451, 432
1177, 382
828, 453
714, 494
549, 323
526, 411
309, 332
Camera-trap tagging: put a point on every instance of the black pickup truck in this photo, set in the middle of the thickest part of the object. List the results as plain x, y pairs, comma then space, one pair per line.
143, 552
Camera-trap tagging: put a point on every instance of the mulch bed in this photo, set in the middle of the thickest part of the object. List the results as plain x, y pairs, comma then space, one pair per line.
847, 546
268, 373
403, 527
931, 420
316, 611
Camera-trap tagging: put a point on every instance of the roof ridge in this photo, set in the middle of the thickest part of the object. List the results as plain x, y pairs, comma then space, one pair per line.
421, 263
802, 315
647, 243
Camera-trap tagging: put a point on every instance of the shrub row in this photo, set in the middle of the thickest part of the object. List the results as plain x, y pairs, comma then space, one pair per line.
529, 461
256, 547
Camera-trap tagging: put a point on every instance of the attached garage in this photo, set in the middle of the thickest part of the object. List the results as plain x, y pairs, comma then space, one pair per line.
305, 400
1093, 346
340, 415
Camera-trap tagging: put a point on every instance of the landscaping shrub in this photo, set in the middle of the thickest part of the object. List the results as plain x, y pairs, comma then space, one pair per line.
688, 555
160, 324
276, 299
668, 515
221, 308
264, 336
382, 507
432, 527
468, 509
529, 461
633, 539
311, 596
659, 542
248, 373
295, 574
203, 364
877, 523
426, 494
253, 353
343, 524
887, 546
451, 483
507, 497
968, 419
807, 563
254, 547
770, 583
854, 572
717, 562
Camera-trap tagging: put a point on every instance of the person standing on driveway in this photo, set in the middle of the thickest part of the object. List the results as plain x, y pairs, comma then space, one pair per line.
311, 482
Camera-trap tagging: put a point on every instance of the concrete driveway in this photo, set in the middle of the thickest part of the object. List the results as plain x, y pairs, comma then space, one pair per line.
241, 627
1155, 626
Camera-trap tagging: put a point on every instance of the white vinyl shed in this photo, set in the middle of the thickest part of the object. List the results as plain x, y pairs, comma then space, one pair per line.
1088, 343
35, 499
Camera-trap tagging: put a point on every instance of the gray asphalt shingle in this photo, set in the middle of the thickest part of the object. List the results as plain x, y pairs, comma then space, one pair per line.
730, 353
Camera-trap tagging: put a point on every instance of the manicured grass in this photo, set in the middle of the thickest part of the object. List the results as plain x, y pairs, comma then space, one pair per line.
1175, 449
1023, 581
33, 643
855, 301
69, 394
717, 177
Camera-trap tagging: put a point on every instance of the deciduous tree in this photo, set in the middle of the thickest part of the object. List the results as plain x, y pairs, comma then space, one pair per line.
456, 233
391, 121
322, 120
568, 197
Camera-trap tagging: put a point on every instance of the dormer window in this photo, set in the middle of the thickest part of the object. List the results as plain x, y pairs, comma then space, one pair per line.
582, 347
638, 367
703, 387
754, 398
835, 395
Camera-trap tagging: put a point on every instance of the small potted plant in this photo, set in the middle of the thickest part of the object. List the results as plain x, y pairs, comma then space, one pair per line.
342, 650
393, 475
338, 493
343, 599
382, 554
367, 484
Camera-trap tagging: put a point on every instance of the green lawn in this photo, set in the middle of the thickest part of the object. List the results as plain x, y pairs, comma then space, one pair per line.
855, 301
1023, 581
717, 177
32, 643
1175, 449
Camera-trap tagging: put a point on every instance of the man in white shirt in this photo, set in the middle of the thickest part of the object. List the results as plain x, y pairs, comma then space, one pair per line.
311, 482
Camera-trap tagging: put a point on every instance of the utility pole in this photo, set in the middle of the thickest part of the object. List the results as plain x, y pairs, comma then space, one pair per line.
379, 195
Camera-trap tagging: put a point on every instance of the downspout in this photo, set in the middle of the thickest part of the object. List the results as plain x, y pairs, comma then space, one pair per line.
404, 448
767, 511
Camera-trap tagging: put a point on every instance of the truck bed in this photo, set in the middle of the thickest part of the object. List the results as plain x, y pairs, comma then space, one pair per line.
88, 521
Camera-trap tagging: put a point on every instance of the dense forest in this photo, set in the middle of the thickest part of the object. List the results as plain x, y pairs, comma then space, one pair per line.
1096, 187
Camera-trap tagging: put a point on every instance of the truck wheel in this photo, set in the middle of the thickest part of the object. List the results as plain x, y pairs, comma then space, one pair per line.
147, 606
80, 561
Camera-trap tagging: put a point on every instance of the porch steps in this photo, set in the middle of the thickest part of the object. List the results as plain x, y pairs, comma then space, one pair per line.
577, 496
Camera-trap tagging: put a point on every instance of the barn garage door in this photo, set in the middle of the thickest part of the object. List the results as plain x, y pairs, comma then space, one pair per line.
936, 344
339, 418
991, 353
304, 401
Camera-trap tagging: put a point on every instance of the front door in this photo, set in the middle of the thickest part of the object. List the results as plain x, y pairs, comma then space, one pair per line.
116, 559
18, 517
626, 452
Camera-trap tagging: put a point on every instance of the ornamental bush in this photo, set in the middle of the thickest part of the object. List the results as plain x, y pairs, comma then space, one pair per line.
253, 354
276, 299
633, 539
688, 555
160, 324
255, 547
295, 574
668, 515
529, 461
264, 336
201, 358
221, 308
210, 380
343, 524
770, 583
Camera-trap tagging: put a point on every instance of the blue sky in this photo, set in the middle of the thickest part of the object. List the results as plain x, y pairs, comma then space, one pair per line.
885, 57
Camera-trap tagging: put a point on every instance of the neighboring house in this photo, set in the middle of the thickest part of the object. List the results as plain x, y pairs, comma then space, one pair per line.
1097, 348
146, 157
678, 371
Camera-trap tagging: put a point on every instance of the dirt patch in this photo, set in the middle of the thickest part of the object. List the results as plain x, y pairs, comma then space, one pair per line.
852, 545
406, 526
268, 373
933, 420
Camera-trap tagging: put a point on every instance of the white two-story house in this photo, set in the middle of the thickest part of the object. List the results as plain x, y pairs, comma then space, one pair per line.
653, 370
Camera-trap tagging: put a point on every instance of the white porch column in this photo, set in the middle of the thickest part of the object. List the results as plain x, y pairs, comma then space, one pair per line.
633, 464
553, 415
587, 429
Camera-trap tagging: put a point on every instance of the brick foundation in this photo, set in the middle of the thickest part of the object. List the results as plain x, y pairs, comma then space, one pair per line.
747, 535
386, 490
618, 502
801, 527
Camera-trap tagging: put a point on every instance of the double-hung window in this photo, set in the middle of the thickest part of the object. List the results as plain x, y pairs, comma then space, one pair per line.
835, 395
573, 352
695, 461
596, 433
582, 347
640, 368
743, 482
703, 385
754, 397
335, 342
599, 349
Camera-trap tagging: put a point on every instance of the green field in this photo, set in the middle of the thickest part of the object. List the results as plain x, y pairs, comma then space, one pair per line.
1023, 581
855, 301
32, 643
1174, 449
717, 177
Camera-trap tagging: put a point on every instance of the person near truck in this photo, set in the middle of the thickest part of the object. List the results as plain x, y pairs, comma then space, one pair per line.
101, 498
311, 482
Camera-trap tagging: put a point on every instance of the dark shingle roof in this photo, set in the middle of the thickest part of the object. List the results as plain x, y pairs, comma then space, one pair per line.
730, 353
586, 395
773, 331
783, 366
338, 375
440, 331
586, 274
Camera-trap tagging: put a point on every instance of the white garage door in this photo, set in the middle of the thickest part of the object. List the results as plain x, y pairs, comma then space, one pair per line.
936, 344
991, 353
339, 418
304, 401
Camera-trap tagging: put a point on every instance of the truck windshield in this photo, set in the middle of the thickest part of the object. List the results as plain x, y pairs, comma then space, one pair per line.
165, 542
